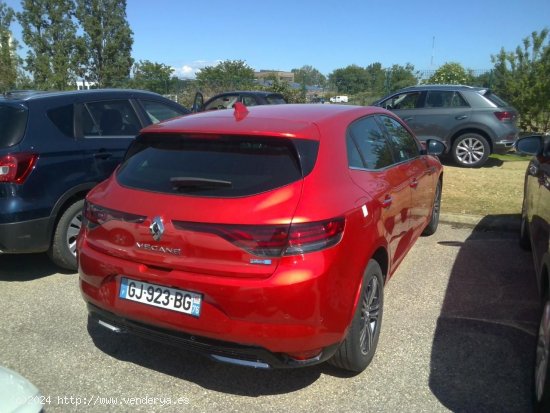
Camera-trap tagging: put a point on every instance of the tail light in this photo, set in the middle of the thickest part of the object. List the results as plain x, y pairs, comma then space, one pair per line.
96, 215
274, 240
16, 167
504, 116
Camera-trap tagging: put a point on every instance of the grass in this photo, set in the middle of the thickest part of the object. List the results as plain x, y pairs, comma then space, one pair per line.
494, 189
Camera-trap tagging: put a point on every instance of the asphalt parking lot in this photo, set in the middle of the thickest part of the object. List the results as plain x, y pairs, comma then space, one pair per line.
458, 335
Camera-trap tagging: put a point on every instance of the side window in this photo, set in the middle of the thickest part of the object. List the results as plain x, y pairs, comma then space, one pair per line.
110, 118
403, 143
367, 146
159, 111
223, 102
63, 119
408, 100
445, 99
249, 101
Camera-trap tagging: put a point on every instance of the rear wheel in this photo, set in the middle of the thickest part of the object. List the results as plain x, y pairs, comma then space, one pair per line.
357, 350
470, 150
63, 249
436, 208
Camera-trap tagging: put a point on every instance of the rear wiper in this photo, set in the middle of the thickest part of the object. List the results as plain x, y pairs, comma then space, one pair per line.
183, 182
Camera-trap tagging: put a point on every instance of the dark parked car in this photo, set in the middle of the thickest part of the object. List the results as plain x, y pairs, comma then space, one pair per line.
228, 99
535, 235
259, 236
54, 147
472, 121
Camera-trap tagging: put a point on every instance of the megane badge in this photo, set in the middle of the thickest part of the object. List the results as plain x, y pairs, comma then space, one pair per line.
157, 228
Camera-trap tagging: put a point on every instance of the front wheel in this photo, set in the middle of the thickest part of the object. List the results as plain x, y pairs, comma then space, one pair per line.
470, 150
542, 365
357, 350
63, 249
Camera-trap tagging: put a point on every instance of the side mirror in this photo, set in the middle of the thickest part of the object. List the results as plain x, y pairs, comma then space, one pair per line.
435, 147
198, 103
529, 145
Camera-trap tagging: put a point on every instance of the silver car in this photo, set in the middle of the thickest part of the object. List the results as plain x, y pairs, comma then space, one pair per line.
472, 121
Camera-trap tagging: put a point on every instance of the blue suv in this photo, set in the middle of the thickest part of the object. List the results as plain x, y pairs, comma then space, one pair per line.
56, 146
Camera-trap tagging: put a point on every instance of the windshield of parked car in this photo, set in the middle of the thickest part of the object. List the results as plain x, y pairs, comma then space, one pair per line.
220, 166
13, 119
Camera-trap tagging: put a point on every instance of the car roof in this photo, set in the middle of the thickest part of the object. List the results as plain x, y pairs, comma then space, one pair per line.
291, 120
33, 95
248, 92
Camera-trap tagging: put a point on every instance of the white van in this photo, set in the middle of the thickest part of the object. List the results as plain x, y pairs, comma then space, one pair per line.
339, 99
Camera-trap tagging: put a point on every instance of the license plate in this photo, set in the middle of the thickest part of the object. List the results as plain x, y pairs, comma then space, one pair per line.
159, 296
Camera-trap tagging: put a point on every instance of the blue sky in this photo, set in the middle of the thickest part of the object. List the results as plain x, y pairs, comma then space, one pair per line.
282, 35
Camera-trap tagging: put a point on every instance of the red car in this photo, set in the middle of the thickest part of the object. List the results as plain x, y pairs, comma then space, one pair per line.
259, 236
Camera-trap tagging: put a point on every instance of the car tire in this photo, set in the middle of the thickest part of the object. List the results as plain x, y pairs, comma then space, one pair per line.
541, 392
63, 248
436, 208
357, 350
524, 238
470, 150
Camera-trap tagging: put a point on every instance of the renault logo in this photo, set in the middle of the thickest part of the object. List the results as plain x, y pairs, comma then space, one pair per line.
157, 228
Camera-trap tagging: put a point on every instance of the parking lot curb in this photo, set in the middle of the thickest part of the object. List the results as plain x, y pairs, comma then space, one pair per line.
489, 222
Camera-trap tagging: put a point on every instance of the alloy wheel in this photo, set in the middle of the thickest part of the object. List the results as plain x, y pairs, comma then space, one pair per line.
370, 310
72, 232
470, 151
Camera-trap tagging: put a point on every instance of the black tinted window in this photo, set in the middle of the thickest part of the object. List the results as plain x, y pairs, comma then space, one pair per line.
63, 119
402, 142
221, 167
13, 120
110, 118
367, 146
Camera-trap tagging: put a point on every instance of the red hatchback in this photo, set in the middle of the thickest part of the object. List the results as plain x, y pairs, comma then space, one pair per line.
261, 236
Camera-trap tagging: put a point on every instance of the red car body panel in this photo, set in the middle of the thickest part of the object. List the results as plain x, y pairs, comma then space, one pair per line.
293, 304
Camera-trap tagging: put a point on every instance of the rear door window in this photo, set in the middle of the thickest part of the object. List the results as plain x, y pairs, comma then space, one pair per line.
13, 121
110, 118
444, 99
221, 166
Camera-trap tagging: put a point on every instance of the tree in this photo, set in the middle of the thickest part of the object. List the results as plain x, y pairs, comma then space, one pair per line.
523, 78
376, 79
226, 75
309, 76
350, 80
451, 73
155, 77
400, 77
50, 35
290, 94
9, 60
105, 47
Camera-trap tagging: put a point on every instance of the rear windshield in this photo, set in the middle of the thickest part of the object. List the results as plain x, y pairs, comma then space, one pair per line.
226, 166
275, 99
13, 120
494, 98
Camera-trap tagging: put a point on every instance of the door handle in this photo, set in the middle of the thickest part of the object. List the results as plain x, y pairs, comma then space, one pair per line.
408, 119
461, 117
103, 155
414, 183
387, 201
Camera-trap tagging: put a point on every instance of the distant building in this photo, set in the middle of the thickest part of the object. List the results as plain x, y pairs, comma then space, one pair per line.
277, 74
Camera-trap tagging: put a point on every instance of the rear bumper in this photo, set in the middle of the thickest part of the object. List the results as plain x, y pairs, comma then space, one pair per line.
216, 350
502, 147
25, 236
298, 315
